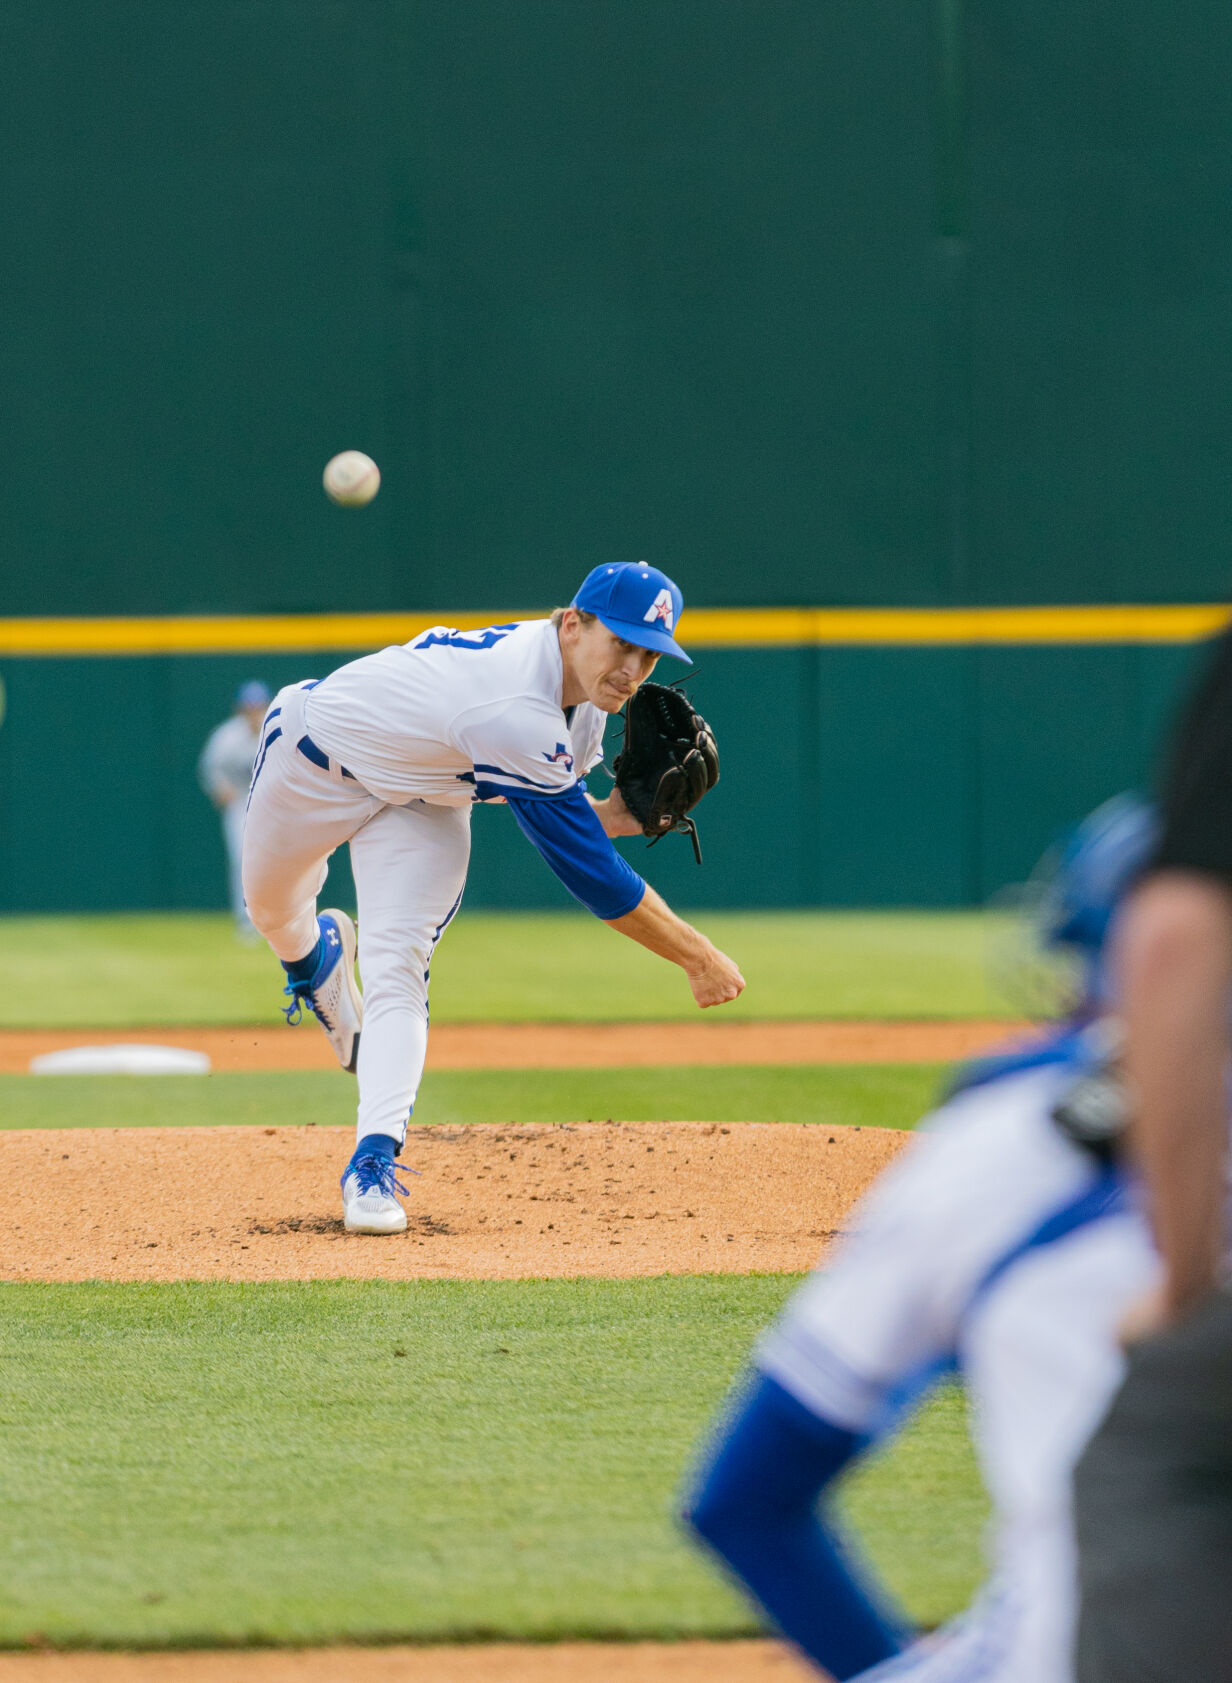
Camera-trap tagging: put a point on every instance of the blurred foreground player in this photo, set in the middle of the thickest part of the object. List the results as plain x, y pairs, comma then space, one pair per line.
224, 771
1154, 1490
389, 753
1003, 1242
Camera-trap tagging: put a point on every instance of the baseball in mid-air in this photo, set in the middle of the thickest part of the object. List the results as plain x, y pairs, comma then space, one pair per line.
351, 478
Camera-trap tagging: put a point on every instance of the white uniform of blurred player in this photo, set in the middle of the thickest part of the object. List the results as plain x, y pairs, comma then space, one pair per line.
1004, 1243
224, 771
389, 753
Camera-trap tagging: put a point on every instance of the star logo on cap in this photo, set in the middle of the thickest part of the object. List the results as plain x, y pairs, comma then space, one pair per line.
660, 609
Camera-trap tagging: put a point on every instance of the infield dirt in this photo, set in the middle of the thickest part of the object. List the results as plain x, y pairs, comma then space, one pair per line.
565, 1662
556, 1045
490, 1202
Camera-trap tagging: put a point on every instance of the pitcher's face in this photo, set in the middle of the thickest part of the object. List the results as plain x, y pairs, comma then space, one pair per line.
603, 666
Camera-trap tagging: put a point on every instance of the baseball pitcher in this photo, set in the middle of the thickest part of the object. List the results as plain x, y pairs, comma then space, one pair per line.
389, 754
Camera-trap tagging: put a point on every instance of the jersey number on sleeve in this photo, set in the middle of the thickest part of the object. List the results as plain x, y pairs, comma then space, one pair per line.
455, 639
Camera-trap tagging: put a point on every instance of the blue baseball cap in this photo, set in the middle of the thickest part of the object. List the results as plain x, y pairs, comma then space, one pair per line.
637, 602
253, 694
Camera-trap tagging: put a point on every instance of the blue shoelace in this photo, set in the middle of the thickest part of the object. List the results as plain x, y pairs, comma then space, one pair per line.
379, 1174
301, 995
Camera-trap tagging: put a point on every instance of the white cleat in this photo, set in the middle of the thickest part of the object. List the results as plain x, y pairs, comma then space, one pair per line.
333, 995
369, 1204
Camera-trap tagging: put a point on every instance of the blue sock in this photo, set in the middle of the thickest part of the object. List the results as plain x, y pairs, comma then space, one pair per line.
376, 1145
304, 969
756, 1506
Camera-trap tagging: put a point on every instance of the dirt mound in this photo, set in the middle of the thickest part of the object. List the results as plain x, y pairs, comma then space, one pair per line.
493, 1202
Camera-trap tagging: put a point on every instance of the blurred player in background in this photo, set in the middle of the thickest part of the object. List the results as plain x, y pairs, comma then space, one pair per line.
224, 771
1154, 1489
1003, 1243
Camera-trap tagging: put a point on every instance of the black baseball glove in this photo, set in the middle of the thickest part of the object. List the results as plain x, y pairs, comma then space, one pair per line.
667, 763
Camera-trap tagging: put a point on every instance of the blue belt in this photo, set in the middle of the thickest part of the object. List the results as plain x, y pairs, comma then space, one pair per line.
310, 751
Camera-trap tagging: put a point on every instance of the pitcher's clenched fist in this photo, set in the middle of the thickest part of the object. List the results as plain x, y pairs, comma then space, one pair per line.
718, 983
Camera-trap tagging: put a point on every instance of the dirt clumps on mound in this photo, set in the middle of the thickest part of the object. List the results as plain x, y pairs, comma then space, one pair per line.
491, 1202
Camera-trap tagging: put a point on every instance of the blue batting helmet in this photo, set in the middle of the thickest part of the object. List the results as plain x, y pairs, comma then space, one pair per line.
1097, 864
1048, 959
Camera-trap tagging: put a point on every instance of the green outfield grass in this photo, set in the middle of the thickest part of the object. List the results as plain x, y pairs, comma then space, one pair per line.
200, 1464
125, 971
859, 1095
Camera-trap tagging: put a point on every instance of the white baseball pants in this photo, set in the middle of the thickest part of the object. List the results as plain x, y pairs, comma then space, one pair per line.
409, 864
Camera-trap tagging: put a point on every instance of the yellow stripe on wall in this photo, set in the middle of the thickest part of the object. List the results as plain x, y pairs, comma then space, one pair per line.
1118, 623
700, 628
263, 633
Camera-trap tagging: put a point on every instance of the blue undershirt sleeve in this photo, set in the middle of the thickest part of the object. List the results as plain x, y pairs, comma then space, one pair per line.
571, 839
755, 1504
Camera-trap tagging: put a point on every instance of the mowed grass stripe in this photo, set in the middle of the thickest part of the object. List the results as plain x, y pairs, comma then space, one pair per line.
143, 970
857, 1095
194, 1464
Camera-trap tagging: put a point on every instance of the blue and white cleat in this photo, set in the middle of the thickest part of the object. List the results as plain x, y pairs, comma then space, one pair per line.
369, 1201
333, 995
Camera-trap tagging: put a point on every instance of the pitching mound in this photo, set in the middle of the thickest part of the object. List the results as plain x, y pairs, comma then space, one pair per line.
608, 1199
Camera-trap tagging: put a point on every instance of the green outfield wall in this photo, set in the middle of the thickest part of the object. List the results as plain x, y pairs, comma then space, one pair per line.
873, 303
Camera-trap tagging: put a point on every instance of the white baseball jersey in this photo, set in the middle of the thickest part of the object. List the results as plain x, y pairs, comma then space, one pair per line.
225, 765
458, 716
387, 755
998, 1245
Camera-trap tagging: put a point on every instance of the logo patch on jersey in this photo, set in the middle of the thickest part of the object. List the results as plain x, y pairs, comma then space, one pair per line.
562, 757
660, 608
